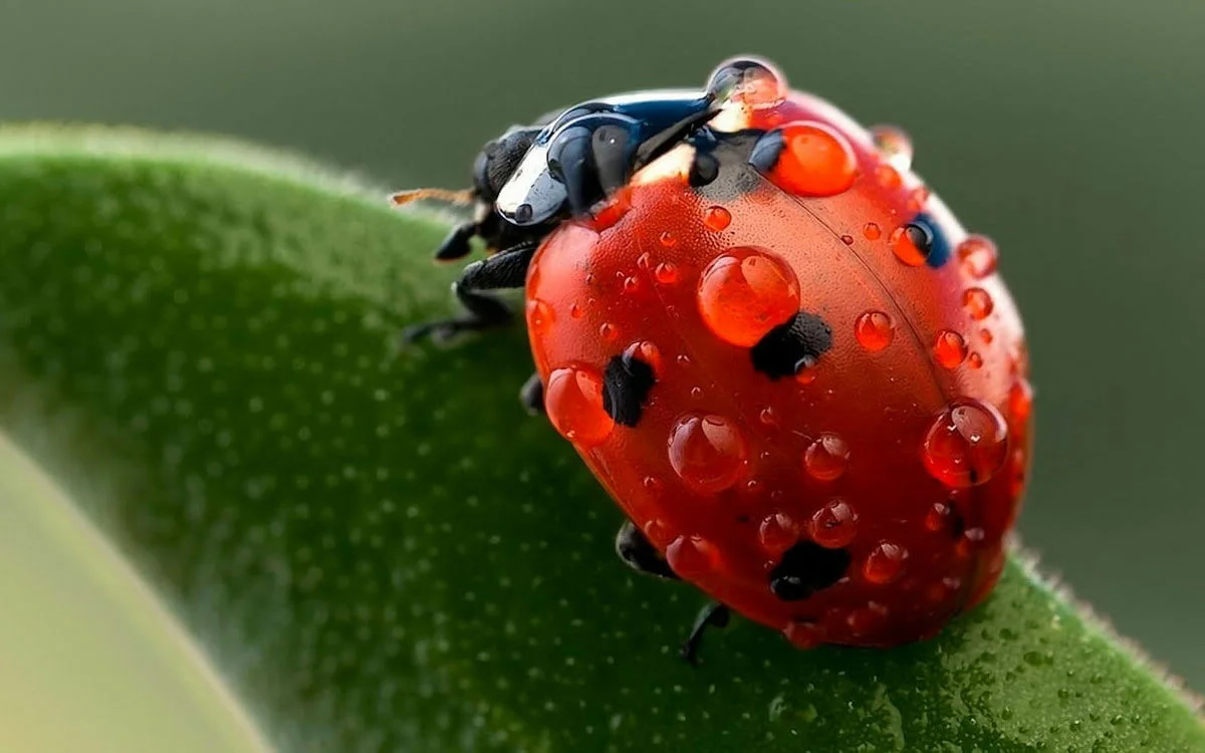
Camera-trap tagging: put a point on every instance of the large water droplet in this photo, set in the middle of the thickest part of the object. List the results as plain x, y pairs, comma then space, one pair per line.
574, 402
707, 452
911, 244
949, 349
835, 525
717, 218
966, 444
746, 292
816, 160
778, 532
874, 330
826, 458
748, 82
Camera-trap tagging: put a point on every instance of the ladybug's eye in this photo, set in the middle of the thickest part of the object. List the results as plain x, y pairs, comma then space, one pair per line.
921, 241
747, 81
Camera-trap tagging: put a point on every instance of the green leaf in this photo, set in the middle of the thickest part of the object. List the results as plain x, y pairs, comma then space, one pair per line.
377, 548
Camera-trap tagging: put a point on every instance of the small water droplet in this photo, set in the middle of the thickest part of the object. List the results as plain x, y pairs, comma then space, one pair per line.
778, 532
977, 302
939, 516
668, 239
826, 457
872, 231
847, 240
631, 285
768, 417
977, 256
917, 198
691, 556
803, 634
745, 292
666, 273
575, 311
1020, 402
573, 400
696, 393
608, 332
644, 261
966, 444
835, 525
885, 563
658, 532
893, 145
887, 176
986, 335
717, 218
816, 160
974, 360
539, 316
647, 352
683, 360
707, 452
949, 349
874, 330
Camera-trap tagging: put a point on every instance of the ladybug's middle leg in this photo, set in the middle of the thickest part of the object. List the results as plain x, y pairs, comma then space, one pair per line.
714, 614
505, 269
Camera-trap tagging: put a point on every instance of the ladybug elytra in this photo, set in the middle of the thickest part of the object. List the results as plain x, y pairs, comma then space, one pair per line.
799, 377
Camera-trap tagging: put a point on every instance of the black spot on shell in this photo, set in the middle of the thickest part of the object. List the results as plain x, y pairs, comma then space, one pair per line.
789, 347
626, 383
807, 568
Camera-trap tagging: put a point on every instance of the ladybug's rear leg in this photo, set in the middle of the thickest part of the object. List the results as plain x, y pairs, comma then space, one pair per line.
505, 269
531, 394
639, 554
714, 614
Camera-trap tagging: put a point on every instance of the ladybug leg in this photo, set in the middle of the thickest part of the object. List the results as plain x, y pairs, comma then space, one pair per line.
505, 269
531, 394
714, 614
456, 244
638, 553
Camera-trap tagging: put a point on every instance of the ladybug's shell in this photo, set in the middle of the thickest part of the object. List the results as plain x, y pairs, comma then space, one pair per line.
920, 550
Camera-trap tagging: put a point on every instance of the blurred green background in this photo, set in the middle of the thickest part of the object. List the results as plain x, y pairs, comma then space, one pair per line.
1070, 132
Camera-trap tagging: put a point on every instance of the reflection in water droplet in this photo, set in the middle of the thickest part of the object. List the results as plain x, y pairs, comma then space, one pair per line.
717, 218
911, 243
826, 458
573, 400
966, 444
666, 273
977, 256
835, 525
746, 292
949, 349
707, 452
874, 330
748, 82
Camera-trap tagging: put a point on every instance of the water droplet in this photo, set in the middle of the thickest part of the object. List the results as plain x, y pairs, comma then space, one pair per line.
683, 360
804, 635
691, 556
707, 452
917, 198
872, 231
847, 240
966, 444
778, 532
658, 533
949, 349
631, 285
539, 316
826, 458
748, 82
717, 218
616, 206
668, 239
816, 160
1020, 402
806, 370
576, 311
865, 619
893, 145
768, 417
666, 273
574, 403
885, 563
911, 244
835, 525
974, 360
608, 332
644, 260
887, 176
986, 335
647, 352
874, 330
938, 518
696, 393
977, 302
977, 256
651, 483
746, 292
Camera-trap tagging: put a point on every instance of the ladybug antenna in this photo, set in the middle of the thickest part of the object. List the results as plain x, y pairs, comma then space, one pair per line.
463, 196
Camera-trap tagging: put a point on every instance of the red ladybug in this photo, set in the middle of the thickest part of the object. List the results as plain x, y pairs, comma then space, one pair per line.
799, 377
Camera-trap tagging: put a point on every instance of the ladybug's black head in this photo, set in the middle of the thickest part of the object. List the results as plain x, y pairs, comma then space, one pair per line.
498, 159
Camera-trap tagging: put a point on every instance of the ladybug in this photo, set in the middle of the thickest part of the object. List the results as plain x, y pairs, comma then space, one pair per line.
801, 380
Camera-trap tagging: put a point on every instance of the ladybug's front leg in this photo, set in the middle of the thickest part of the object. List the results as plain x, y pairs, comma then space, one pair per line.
505, 269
